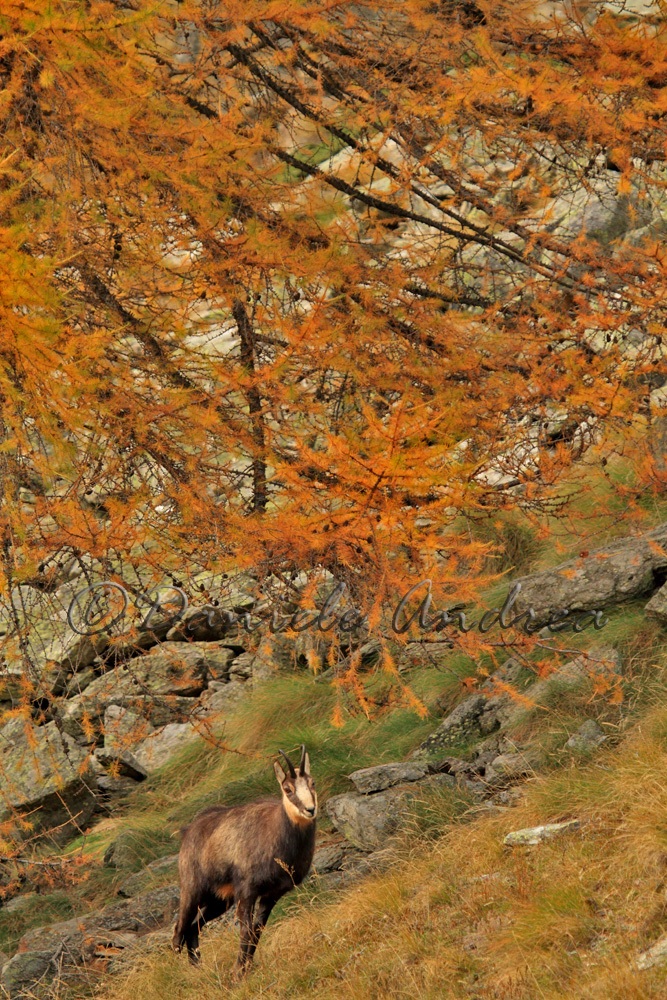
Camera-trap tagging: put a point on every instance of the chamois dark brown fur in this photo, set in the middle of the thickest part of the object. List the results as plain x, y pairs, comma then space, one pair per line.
250, 855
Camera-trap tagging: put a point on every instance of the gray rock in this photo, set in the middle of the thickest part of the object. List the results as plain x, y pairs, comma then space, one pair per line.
78, 682
22, 972
655, 955
158, 709
46, 950
123, 729
46, 775
164, 868
538, 834
218, 701
478, 714
176, 668
508, 767
15, 730
602, 660
251, 664
11, 683
601, 213
355, 865
18, 903
375, 779
498, 758
334, 857
459, 724
657, 606
587, 737
610, 575
161, 746
159, 686
367, 820
109, 785
122, 762
226, 597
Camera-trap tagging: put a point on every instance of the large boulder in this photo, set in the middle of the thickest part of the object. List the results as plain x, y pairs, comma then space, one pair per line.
124, 728
376, 779
226, 598
161, 746
600, 213
161, 686
46, 774
251, 664
173, 668
368, 820
217, 699
618, 572
82, 716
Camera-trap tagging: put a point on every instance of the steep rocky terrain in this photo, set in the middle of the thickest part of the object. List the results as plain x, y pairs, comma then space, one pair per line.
123, 760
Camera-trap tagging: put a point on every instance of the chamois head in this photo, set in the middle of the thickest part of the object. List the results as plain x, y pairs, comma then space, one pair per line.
298, 788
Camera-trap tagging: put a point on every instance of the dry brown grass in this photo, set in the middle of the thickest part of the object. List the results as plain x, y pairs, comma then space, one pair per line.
468, 918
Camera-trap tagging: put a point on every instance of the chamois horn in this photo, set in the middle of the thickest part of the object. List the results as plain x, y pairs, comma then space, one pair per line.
303, 759
292, 772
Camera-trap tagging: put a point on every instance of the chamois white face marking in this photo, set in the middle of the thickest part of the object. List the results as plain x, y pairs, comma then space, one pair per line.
299, 795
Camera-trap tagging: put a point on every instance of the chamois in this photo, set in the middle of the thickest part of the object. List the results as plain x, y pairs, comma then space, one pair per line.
246, 855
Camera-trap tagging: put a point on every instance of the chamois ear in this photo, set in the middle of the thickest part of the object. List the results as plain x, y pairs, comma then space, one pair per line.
304, 766
280, 774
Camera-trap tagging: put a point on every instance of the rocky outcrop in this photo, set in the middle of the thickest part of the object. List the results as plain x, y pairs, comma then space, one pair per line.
376, 779
46, 778
161, 746
477, 715
486, 712
163, 869
175, 668
372, 813
45, 952
116, 721
618, 572
368, 820
167, 685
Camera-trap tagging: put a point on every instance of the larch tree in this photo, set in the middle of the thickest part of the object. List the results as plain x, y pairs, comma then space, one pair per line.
298, 287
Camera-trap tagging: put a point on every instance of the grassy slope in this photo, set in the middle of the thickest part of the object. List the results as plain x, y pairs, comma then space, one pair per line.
456, 914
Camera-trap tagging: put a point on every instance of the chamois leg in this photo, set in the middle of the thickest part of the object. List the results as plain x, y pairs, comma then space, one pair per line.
264, 907
186, 932
244, 911
208, 908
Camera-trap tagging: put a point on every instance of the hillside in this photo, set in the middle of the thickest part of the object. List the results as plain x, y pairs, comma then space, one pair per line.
439, 906
333, 413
